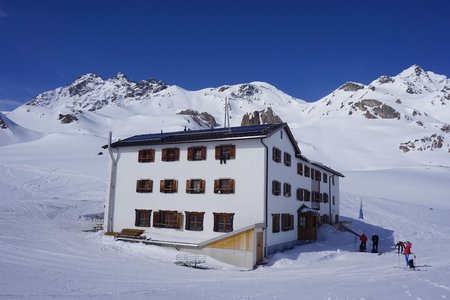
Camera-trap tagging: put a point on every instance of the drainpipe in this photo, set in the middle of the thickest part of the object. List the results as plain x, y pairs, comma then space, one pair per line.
112, 186
266, 199
329, 199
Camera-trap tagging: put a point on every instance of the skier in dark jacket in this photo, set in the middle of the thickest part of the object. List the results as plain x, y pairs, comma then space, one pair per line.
375, 239
400, 247
363, 239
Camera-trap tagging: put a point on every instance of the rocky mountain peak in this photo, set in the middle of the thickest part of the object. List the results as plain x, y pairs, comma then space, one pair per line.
120, 77
351, 86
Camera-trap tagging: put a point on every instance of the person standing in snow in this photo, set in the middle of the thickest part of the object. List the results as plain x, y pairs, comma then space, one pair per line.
407, 252
400, 247
375, 239
363, 239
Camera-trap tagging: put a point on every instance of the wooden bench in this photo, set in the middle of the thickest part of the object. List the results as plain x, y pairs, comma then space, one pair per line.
128, 233
190, 260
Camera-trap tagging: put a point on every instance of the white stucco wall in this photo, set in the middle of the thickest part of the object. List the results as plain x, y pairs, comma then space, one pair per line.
247, 203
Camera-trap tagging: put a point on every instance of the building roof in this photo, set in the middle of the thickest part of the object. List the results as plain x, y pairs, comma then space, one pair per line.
189, 136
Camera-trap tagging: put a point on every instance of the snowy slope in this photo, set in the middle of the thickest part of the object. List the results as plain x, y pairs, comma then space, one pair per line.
11, 133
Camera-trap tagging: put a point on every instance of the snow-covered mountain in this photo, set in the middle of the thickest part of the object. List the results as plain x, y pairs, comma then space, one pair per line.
404, 118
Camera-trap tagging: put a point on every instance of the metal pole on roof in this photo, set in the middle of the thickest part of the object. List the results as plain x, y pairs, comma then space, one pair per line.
226, 122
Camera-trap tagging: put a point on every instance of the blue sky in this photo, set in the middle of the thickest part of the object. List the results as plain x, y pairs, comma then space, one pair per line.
305, 48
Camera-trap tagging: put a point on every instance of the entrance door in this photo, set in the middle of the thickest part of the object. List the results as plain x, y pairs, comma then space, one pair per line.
307, 226
259, 246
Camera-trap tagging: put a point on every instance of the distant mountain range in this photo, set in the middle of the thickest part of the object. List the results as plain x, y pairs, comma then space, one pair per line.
393, 121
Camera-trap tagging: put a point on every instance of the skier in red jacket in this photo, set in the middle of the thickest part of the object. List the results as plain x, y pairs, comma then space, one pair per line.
363, 239
407, 252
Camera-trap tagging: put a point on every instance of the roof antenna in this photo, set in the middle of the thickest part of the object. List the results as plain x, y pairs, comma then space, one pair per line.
226, 123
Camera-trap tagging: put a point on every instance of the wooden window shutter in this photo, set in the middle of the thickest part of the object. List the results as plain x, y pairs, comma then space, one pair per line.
163, 155
161, 186
188, 186
177, 153
203, 153
152, 155
216, 186
202, 186
136, 219
179, 220
232, 185
156, 218
232, 151
190, 153
175, 186
217, 154
215, 222
231, 217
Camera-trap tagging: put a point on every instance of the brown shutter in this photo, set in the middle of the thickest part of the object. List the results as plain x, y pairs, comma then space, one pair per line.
190, 155
216, 186
215, 222
187, 222
161, 186
156, 218
152, 155
232, 185
203, 153
188, 186
218, 152
175, 186
136, 219
137, 186
179, 220
163, 154
202, 186
232, 216
177, 153
232, 151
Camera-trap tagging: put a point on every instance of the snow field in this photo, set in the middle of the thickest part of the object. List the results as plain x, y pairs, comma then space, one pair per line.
48, 184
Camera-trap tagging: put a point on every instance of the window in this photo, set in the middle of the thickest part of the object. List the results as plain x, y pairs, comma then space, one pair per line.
317, 175
306, 195
317, 197
325, 178
225, 152
276, 155
301, 194
287, 222
275, 223
224, 186
325, 198
299, 168
195, 186
307, 171
332, 180
144, 186
167, 219
146, 155
168, 186
194, 221
223, 222
170, 154
196, 153
287, 159
286, 189
276, 188
333, 200
142, 218
302, 222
